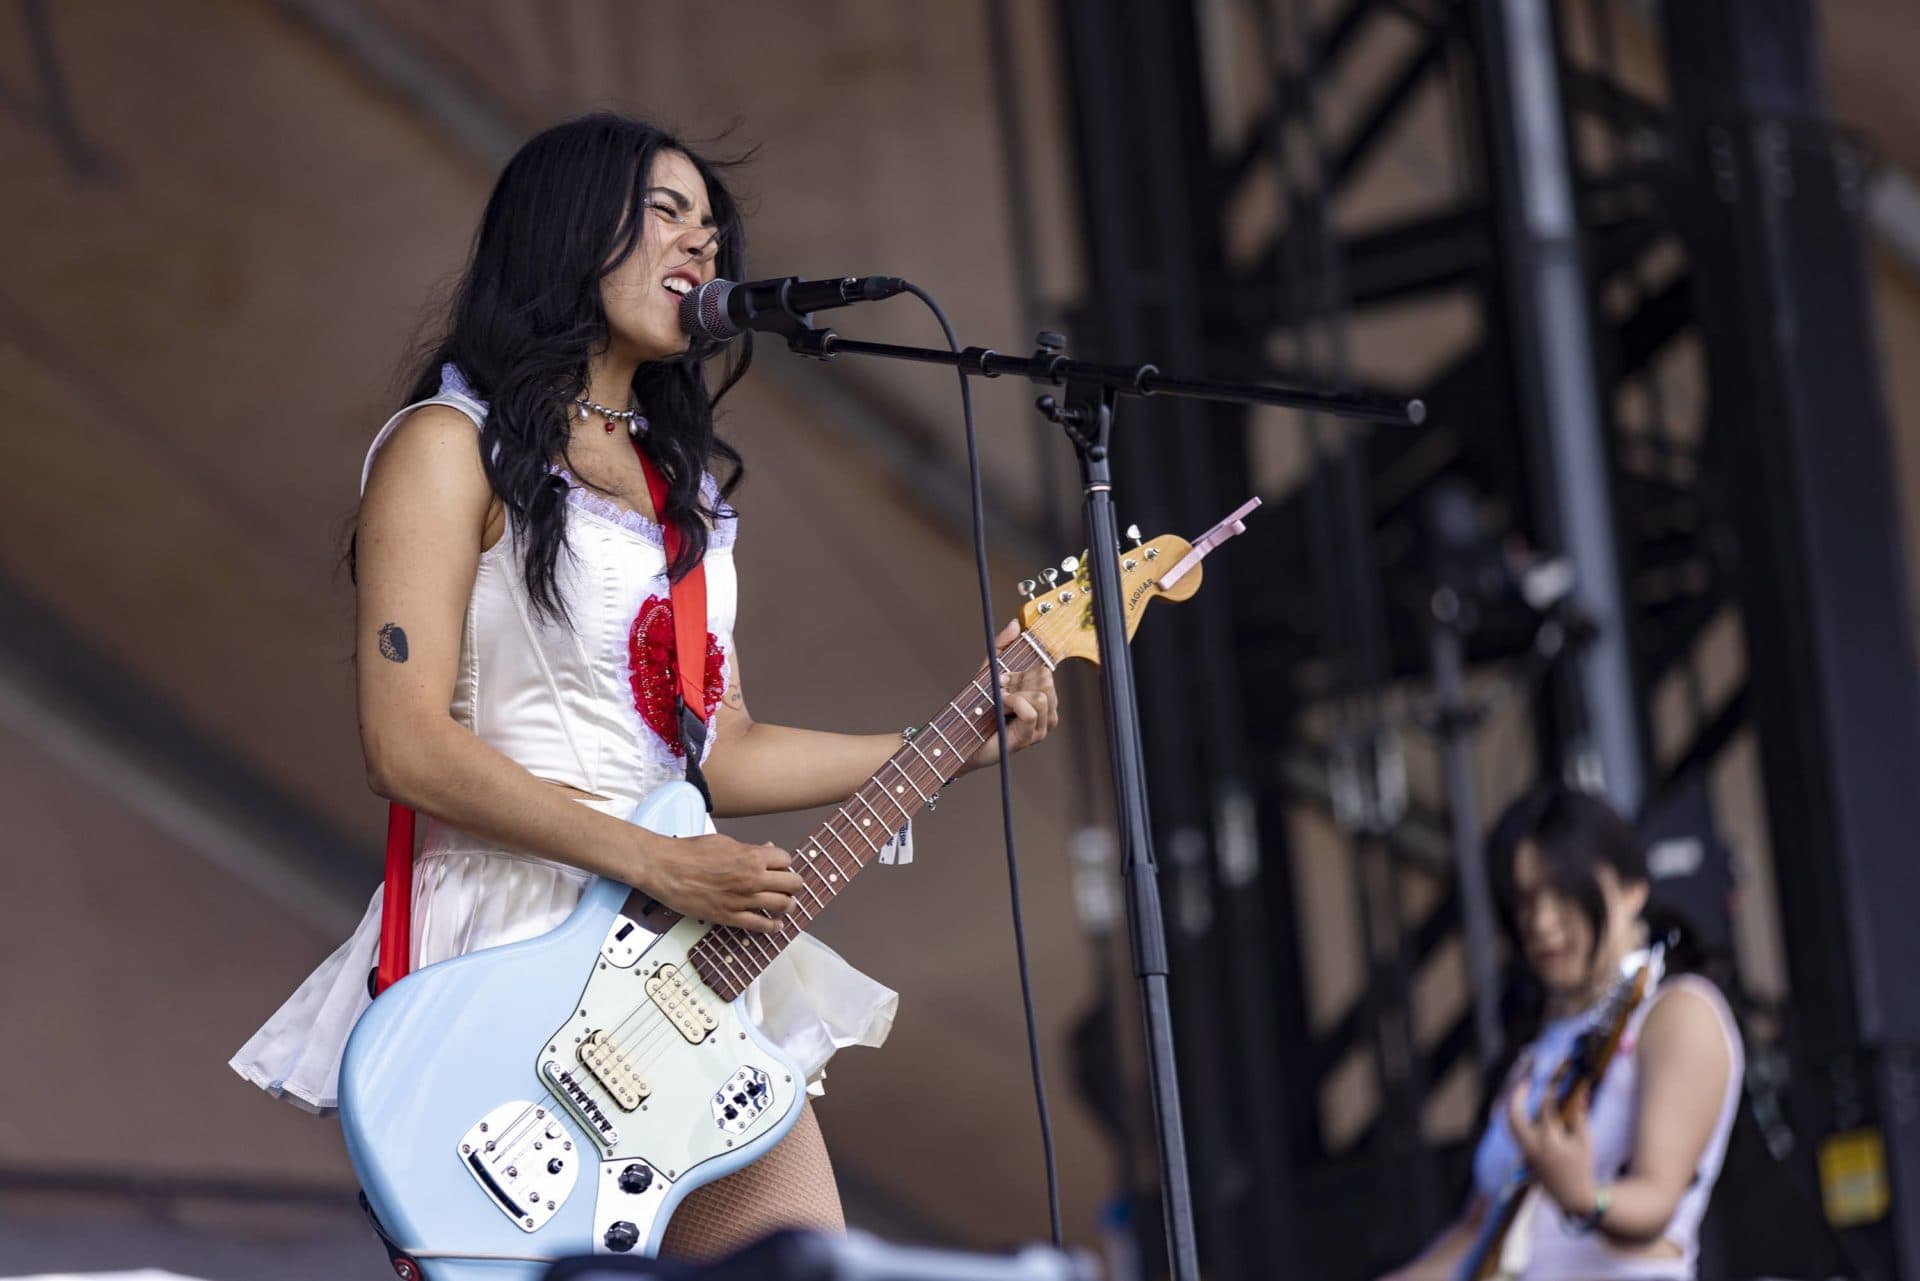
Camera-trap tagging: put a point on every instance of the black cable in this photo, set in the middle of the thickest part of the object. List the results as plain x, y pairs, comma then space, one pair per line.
1006, 777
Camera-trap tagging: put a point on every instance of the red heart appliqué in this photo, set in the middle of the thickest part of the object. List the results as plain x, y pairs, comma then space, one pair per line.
650, 645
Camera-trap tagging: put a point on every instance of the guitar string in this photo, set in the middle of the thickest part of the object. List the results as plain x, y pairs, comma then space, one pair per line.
529, 1116
646, 1036
856, 827
648, 1043
656, 1035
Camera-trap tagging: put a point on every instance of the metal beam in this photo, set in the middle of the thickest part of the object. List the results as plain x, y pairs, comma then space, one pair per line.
1550, 339
1775, 242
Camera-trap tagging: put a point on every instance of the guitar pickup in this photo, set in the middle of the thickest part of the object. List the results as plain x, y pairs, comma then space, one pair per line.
610, 1066
676, 999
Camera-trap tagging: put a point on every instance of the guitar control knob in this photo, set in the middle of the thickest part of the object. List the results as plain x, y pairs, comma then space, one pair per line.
730, 1112
556, 1165
636, 1178
622, 1237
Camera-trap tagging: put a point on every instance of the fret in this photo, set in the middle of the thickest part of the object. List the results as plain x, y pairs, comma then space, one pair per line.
935, 727
764, 947
725, 949
971, 726
839, 873
876, 814
827, 827
751, 942
906, 814
902, 771
968, 717
923, 756
728, 958
1040, 652
801, 867
860, 832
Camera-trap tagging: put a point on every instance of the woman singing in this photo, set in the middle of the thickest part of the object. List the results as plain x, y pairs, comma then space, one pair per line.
512, 633
1628, 1180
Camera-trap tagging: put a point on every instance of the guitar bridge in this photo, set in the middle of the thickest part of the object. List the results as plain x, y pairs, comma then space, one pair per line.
572, 1091
522, 1158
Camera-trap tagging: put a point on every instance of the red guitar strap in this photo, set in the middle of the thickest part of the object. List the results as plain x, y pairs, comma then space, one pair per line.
689, 597
396, 900
689, 611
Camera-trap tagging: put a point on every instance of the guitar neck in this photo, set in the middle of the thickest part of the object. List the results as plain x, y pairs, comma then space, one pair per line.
728, 958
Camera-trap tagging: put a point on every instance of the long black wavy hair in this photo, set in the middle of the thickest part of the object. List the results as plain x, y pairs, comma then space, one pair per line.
1574, 833
527, 314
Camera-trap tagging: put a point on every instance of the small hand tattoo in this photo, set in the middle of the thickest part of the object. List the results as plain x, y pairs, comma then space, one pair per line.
393, 643
734, 700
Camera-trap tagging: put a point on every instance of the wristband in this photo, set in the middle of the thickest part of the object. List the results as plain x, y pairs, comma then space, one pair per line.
1602, 1201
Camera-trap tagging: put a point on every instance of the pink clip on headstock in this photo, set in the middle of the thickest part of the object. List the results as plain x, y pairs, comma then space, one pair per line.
1235, 523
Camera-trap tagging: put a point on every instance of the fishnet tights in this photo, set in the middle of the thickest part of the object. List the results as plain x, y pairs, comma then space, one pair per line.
790, 1187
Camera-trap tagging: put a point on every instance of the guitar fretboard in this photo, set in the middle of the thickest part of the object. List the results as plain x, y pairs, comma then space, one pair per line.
728, 959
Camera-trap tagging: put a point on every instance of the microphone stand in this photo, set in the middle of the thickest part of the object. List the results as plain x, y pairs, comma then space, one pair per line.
1087, 418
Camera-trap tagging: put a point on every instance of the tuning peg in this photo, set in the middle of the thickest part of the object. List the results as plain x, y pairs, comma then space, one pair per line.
1133, 532
1027, 588
1069, 565
1052, 576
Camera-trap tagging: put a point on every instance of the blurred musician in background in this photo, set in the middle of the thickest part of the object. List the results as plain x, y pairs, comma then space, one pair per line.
1623, 1185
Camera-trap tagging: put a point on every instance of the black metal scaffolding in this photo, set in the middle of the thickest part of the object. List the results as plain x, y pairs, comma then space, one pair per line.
1602, 237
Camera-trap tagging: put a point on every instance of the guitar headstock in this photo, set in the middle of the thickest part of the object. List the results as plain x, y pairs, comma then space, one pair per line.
1058, 609
1640, 973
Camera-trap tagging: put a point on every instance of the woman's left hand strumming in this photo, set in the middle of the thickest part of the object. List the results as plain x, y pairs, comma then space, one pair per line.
1560, 1153
1031, 702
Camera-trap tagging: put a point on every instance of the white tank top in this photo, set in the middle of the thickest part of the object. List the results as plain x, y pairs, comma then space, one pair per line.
1561, 1248
587, 705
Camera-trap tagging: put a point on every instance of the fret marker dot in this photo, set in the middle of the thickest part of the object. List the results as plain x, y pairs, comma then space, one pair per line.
866, 822
936, 751
897, 789
833, 876
978, 710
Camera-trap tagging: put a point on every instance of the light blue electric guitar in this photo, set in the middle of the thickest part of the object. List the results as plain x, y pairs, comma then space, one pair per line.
562, 1095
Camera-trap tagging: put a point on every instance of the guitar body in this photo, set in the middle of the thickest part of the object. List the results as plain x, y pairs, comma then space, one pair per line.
559, 1095
1486, 1260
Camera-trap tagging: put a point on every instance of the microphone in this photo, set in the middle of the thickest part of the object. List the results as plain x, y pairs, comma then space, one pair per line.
722, 310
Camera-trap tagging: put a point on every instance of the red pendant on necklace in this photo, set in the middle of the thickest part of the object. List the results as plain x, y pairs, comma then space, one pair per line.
609, 424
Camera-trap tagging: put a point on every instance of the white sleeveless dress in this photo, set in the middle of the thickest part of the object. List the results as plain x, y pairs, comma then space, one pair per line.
572, 705
1561, 1248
